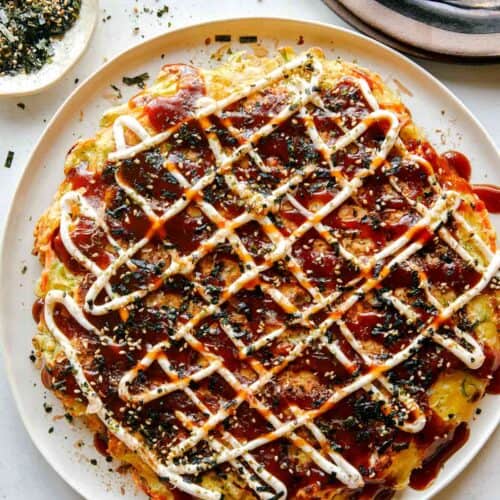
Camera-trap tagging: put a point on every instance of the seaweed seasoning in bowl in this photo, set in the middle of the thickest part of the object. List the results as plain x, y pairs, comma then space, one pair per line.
27, 28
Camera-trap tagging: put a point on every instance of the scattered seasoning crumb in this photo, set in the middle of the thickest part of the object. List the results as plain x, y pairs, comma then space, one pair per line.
402, 88
248, 39
162, 11
222, 38
24, 269
478, 411
47, 408
51, 430
32, 357
93, 461
9, 159
208, 40
300, 41
117, 90
21, 105
77, 80
138, 80
68, 417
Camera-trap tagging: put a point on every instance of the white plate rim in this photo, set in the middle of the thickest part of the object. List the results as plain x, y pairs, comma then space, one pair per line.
441, 481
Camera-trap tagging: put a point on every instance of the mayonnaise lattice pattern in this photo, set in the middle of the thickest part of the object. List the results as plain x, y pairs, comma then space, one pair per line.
302, 78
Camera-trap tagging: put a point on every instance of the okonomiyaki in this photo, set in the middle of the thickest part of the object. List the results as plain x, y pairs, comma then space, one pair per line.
261, 281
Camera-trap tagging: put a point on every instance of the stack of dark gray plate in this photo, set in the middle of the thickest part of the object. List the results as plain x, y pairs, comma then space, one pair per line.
467, 30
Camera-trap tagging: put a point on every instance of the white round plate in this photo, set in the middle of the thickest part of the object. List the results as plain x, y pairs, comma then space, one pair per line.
67, 50
444, 119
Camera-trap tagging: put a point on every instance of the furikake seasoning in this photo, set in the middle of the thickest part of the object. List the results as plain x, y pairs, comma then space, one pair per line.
27, 28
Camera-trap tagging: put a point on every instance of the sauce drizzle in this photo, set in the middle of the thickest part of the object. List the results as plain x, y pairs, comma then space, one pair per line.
460, 163
490, 195
422, 478
494, 385
164, 112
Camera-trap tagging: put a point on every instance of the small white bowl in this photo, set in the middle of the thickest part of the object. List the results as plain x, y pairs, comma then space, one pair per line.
67, 51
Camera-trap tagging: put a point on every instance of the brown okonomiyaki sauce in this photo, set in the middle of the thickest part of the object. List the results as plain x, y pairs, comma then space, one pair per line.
37, 310
164, 112
101, 443
490, 369
423, 477
494, 385
487, 193
460, 163
357, 425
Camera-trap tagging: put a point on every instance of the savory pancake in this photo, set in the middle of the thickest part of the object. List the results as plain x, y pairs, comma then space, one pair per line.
261, 281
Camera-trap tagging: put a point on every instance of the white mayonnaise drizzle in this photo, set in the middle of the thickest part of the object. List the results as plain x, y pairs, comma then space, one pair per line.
227, 449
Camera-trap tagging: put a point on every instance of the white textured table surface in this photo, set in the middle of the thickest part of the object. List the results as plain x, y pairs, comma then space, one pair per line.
23, 471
